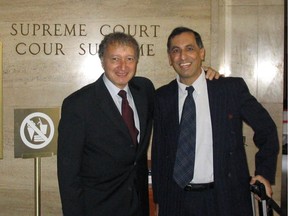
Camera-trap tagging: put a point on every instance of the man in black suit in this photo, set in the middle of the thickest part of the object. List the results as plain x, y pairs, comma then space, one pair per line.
102, 169
218, 184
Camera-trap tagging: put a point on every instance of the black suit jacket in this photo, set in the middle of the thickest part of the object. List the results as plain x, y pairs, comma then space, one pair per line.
230, 104
100, 171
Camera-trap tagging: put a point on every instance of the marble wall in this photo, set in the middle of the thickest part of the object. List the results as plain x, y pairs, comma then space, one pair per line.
247, 40
49, 51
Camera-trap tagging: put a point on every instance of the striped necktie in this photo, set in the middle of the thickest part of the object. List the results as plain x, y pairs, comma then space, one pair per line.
185, 156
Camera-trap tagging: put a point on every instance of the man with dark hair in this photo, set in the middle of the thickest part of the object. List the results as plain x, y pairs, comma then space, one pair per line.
199, 165
104, 134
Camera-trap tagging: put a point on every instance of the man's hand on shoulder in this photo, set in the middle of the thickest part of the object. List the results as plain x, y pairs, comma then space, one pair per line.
211, 74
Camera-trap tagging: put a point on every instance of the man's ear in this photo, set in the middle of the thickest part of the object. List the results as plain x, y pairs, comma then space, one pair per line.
169, 59
202, 54
101, 60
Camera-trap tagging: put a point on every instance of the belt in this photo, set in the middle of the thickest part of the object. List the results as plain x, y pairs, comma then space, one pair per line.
199, 187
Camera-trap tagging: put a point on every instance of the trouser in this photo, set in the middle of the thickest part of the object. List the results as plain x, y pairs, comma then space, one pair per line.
200, 203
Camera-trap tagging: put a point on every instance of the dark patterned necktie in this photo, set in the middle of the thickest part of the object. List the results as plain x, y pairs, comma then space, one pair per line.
128, 116
185, 156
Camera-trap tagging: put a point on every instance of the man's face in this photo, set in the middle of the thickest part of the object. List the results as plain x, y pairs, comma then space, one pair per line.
119, 63
186, 57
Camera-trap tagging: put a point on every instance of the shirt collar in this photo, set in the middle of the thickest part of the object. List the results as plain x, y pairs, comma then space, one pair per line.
198, 85
114, 90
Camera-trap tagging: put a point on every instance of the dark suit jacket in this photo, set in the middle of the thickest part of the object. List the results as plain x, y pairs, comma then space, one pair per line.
100, 171
230, 105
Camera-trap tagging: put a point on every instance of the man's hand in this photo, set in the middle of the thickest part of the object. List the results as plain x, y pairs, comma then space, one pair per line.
264, 181
210, 73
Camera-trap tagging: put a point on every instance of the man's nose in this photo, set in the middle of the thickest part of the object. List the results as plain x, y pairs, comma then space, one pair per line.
123, 64
183, 55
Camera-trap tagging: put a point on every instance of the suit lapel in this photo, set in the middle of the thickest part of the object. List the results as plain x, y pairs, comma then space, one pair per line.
212, 102
217, 105
105, 102
171, 104
140, 101
218, 108
174, 104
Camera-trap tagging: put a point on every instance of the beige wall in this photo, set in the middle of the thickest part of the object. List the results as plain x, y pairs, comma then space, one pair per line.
248, 41
236, 36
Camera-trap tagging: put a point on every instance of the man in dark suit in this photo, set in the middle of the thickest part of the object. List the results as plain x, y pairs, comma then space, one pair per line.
218, 182
102, 167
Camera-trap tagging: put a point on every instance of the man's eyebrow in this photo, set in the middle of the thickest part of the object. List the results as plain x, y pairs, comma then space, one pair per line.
173, 47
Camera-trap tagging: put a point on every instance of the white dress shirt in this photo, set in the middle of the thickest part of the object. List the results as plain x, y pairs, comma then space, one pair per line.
114, 90
203, 169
